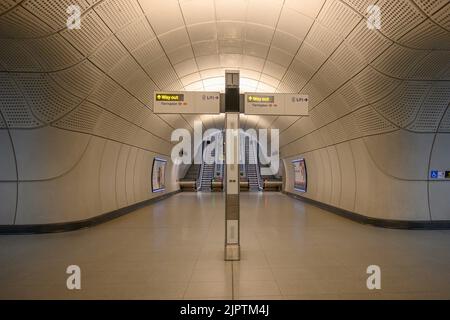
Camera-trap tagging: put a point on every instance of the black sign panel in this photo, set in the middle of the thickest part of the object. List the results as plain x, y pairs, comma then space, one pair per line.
232, 100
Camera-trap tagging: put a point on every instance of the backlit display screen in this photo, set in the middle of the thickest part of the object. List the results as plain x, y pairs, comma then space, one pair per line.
159, 175
300, 176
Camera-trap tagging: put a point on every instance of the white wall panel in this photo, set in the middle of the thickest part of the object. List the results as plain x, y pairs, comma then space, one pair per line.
121, 176
129, 182
108, 176
401, 154
439, 204
7, 161
142, 175
314, 167
440, 190
308, 7
294, 23
348, 176
74, 196
48, 152
380, 196
336, 178
198, 11
325, 188
8, 191
165, 15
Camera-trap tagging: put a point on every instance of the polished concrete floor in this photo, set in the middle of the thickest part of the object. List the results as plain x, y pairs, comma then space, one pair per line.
174, 250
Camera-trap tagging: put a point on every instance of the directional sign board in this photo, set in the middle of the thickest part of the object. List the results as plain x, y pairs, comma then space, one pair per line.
286, 104
192, 102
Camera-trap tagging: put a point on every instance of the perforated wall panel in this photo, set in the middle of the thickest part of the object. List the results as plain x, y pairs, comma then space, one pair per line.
348, 60
351, 96
79, 80
338, 17
373, 85
118, 13
13, 106
54, 52
445, 123
84, 118
442, 17
7, 5
432, 66
399, 17
47, 101
16, 58
433, 108
398, 61
430, 6
20, 23
427, 35
90, 36
323, 39
402, 105
53, 12
136, 34
368, 43
370, 122
109, 53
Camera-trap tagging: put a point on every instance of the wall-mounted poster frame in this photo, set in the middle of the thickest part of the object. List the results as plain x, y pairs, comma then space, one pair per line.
300, 175
159, 175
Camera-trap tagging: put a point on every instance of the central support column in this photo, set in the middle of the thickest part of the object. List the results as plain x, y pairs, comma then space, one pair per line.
232, 230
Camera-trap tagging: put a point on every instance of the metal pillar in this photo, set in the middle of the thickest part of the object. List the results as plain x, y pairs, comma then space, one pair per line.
232, 229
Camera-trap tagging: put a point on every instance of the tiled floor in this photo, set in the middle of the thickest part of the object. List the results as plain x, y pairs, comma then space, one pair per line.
174, 250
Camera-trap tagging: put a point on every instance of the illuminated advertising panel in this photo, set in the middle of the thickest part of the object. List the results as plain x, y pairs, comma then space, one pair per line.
300, 176
159, 175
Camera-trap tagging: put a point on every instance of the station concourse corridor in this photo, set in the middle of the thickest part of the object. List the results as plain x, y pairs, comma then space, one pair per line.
225, 149
291, 250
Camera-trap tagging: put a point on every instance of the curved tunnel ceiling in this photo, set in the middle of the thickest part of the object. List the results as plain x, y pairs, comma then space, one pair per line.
99, 78
78, 135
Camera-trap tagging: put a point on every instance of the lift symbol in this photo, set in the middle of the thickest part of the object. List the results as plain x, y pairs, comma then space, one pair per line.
435, 174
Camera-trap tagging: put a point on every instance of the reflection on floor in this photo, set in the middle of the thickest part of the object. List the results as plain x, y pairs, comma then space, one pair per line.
174, 250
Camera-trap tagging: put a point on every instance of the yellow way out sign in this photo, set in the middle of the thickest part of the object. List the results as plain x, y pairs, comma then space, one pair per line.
186, 102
